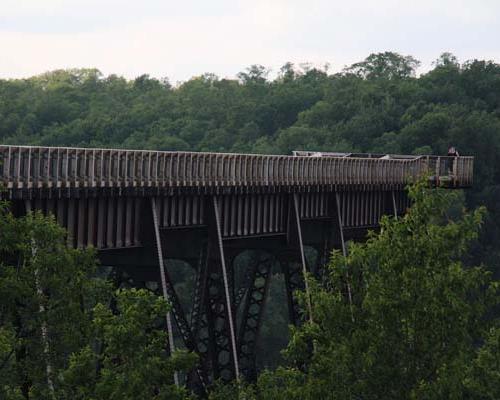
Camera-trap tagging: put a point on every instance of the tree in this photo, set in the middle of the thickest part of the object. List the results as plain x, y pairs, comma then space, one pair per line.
61, 335
131, 360
416, 312
483, 374
387, 65
447, 59
255, 74
45, 289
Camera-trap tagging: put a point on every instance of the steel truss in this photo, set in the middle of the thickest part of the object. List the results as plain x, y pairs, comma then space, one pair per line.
226, 349
252, 312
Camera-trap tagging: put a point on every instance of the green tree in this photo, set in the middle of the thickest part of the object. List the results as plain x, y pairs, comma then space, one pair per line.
45, 289
416, 312
129, 359
483, 377
388, 65
65, 333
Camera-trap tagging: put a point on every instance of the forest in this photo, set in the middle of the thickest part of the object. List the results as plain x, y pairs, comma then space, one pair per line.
425, 287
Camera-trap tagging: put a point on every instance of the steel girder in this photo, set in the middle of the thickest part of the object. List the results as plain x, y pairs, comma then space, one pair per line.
252, 312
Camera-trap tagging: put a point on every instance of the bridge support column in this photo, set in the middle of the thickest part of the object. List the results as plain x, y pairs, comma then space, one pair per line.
394, 206
302, 255
340, 225
198, 377
220, 309
163, 281
295, 268
344, 250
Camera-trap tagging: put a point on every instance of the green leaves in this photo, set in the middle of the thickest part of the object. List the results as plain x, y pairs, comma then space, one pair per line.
483, 378
44, 288
56, 322
131, 359
416, 316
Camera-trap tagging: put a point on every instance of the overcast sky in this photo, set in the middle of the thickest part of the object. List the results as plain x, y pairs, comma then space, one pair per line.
184, 38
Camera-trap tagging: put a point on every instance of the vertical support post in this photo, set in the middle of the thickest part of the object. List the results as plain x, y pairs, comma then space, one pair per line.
302, 255
226, 288
61, 211
120, 223
454, 169
137, 219
163, 281
111, 224
128, 221
71, 222
344, 250
438, 171
82, 222
341, 225
394, 206
91, 222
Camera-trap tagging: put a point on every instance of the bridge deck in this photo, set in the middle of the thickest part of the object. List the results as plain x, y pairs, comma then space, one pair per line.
29, 167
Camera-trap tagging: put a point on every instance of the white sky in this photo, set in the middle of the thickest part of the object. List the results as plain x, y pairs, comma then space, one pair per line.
181, 39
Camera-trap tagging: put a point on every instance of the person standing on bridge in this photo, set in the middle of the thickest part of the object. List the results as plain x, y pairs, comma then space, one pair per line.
452, 152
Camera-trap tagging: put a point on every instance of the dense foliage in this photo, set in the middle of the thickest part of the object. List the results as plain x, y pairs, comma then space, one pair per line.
66, 333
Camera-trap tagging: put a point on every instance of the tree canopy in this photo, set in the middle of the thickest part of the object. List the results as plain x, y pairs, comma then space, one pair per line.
65, 333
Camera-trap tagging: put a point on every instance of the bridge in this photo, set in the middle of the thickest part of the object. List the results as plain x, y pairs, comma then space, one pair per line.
140, 208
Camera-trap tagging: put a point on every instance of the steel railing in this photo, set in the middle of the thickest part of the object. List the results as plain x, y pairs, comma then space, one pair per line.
64, 167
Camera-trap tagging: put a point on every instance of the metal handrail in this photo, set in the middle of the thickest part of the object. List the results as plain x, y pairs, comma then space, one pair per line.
69, 167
